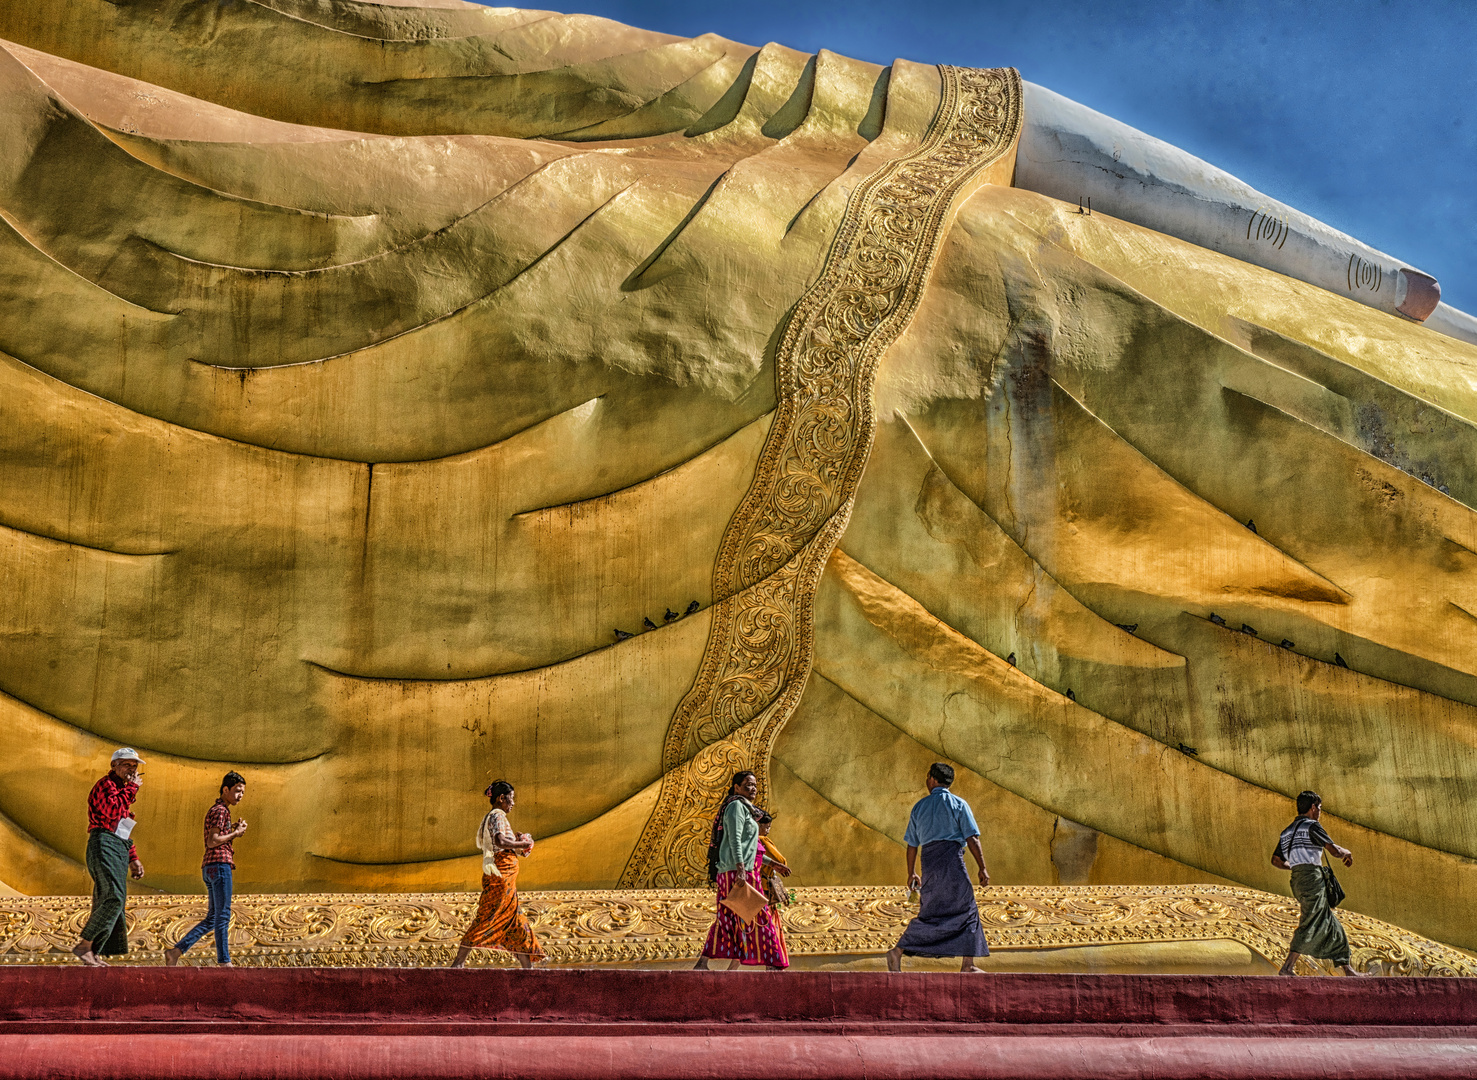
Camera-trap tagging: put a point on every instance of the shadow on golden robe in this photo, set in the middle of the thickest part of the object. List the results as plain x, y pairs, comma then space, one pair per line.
364, 370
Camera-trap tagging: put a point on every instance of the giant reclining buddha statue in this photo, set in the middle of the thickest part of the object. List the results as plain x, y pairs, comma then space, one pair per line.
367, 367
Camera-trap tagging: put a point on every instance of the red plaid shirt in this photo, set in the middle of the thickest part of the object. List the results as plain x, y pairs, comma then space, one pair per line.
218, 823
109, 803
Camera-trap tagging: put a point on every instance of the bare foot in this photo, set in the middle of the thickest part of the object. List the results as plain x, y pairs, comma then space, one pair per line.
83, 951
226, 964
172, 956
701, 965
1349, 970
971, 967
894, 959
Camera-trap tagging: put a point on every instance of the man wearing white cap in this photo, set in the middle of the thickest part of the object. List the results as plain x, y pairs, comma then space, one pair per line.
111, 857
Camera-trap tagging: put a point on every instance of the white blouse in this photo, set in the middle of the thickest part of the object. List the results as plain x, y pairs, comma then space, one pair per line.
494, 835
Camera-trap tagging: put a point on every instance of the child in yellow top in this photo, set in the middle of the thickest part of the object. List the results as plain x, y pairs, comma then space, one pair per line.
778, 894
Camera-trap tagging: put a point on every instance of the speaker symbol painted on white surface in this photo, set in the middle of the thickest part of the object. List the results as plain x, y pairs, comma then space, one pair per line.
1365, 276
1263, 226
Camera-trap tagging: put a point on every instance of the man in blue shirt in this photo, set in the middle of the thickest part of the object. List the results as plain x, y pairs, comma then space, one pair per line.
948, 922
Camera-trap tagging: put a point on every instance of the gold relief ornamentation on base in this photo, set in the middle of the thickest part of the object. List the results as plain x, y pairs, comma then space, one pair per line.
656, 925
769, 563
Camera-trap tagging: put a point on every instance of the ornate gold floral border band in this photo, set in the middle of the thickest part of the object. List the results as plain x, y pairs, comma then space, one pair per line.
654, 925
759, 649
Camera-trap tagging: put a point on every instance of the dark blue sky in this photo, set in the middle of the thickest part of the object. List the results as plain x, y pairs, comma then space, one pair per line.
1363, 114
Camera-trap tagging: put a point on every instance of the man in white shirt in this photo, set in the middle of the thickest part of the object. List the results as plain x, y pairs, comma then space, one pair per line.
1300, 849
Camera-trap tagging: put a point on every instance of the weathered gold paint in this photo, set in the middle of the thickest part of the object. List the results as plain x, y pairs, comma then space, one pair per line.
347, 408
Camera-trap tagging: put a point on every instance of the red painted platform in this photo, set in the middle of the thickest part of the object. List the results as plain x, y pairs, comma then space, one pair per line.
369, 1024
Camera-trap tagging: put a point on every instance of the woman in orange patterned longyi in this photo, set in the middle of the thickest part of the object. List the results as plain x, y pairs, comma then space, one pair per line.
498, 923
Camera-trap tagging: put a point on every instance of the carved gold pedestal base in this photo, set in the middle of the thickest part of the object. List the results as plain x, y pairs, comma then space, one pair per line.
657, 926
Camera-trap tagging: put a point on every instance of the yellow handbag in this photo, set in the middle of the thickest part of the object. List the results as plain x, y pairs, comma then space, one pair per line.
745, 901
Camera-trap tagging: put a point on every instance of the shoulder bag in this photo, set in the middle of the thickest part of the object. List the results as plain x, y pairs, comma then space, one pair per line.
1331, 887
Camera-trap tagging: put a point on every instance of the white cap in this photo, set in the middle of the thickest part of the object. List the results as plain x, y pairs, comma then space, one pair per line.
126, 753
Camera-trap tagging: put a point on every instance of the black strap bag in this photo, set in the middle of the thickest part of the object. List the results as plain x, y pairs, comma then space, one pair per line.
713, 846
715, 841
1331, 887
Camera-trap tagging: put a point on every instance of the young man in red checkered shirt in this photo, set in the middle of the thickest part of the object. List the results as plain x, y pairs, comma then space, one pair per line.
111, 858
216, 869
